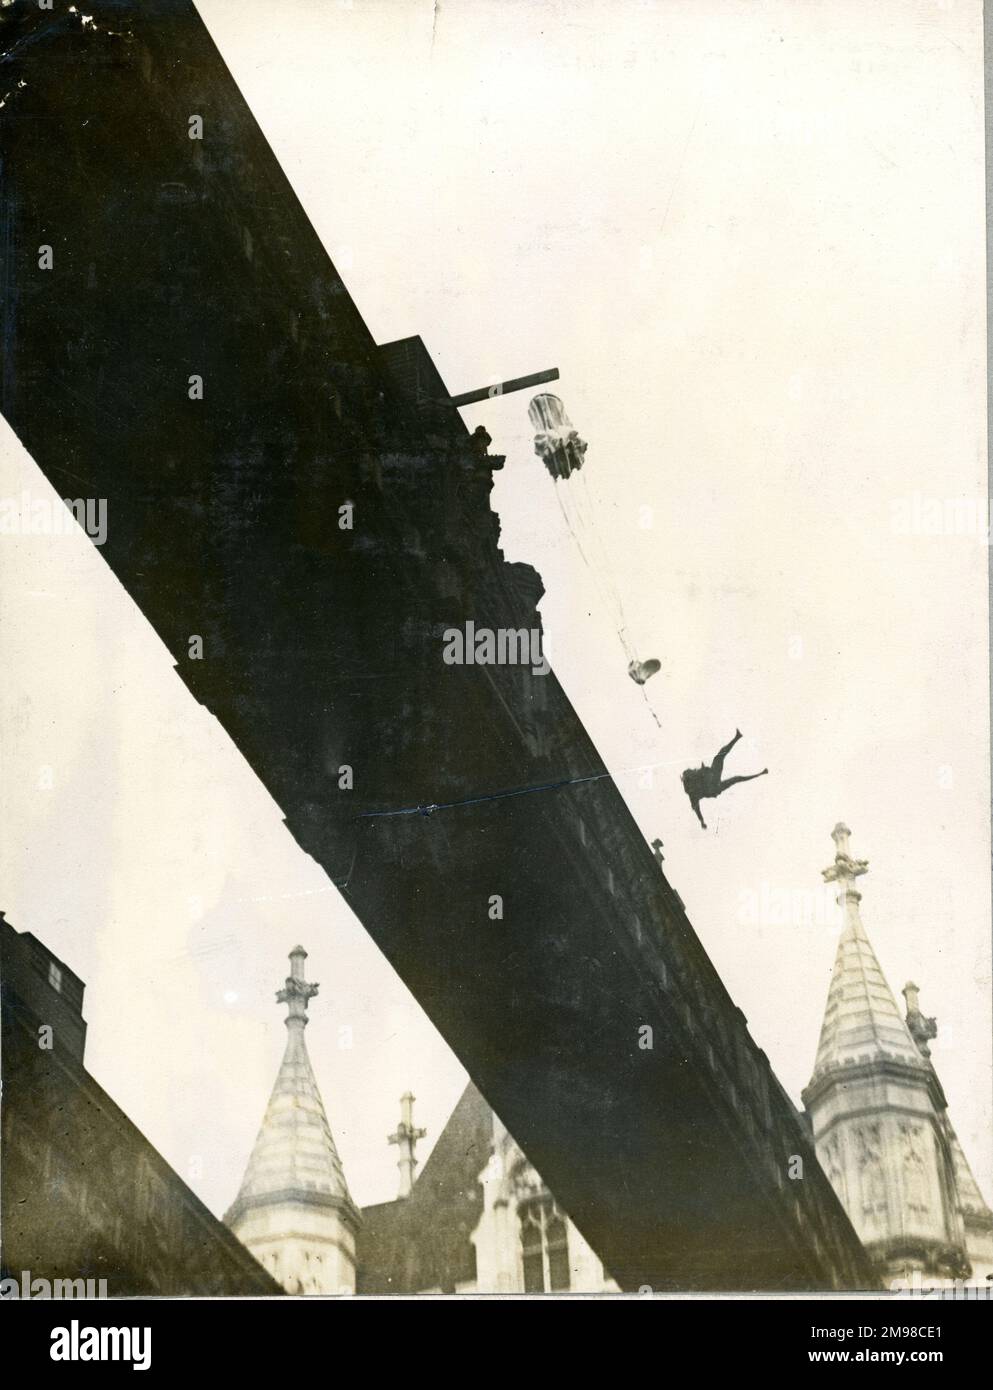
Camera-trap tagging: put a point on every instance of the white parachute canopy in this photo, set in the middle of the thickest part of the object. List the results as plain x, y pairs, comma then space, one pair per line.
558, 445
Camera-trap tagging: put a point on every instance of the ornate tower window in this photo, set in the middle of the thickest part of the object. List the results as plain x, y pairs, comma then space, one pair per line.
915, 1181
871, 1177
836, 1169
544, 1246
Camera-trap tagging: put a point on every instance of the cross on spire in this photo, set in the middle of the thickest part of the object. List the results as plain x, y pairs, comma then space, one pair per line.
297, 991
406, 1138
845, 870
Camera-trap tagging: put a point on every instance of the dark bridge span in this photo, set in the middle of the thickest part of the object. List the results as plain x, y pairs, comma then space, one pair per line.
175, 257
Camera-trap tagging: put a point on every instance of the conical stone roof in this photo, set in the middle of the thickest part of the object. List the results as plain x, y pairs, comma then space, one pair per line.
861, 1021
294, 1158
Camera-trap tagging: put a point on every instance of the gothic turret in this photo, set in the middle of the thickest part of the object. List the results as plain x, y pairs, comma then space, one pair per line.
294, 1211
877, 1109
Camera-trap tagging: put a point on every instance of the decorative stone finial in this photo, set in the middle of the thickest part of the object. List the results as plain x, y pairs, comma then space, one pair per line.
845, 870
922, 1029
297, 991
406, 1138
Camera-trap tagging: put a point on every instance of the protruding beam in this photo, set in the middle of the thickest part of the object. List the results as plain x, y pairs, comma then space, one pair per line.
518, 383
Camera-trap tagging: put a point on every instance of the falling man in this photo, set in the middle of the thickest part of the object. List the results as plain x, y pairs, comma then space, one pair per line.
703, 781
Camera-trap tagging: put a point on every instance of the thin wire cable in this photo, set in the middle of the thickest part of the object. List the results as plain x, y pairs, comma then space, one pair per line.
580, 506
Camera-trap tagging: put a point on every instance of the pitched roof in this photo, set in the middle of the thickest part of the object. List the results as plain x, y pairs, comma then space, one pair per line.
422, 1241
972, 1204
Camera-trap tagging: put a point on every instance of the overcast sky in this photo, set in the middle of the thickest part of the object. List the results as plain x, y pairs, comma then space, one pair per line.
750, 236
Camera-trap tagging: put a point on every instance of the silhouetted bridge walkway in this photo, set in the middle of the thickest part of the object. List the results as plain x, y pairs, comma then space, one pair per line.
176, 258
